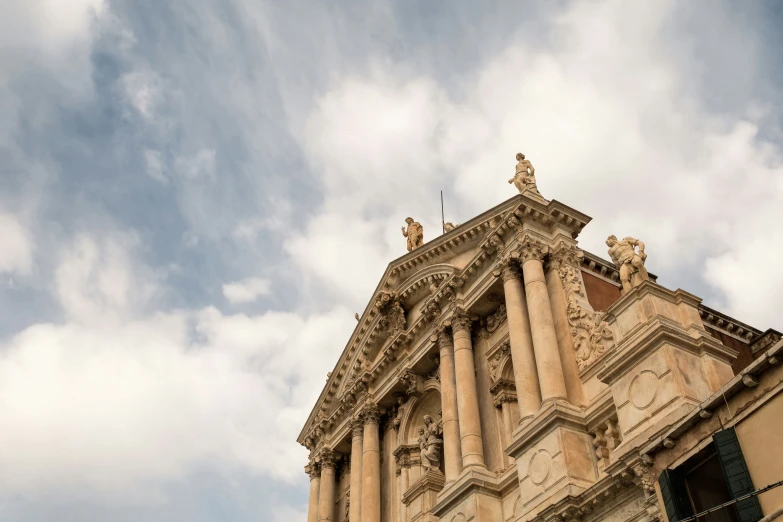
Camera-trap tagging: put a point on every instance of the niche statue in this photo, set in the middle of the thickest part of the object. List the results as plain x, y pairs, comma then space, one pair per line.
430, 443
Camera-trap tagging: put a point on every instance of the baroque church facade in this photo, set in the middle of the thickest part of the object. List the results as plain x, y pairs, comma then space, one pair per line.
501, 373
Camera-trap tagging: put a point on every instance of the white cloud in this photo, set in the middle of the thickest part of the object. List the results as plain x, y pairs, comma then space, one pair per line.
97, 282
247, 290
607, 118
15, 246
143, 91
115, 408
200, 165
155, 166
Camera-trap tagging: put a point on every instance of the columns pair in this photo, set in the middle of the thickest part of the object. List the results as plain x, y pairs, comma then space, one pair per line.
365, 474
462, 439
322, 485
538, 372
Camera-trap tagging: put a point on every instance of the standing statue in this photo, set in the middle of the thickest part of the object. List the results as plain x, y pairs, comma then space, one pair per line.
414, 233
628, 260
525, 176
448, 226
430, 443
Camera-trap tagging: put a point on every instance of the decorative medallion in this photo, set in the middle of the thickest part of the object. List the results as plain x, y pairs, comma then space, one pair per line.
643, 389
540, 466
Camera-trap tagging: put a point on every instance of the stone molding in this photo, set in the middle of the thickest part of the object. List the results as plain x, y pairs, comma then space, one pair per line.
503, 391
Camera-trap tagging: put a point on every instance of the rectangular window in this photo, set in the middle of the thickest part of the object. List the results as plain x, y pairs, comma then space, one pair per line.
714, 476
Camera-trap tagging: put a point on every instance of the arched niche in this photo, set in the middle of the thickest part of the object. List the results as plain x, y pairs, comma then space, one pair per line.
428, 404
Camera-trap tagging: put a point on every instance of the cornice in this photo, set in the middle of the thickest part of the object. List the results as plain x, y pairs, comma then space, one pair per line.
725, 324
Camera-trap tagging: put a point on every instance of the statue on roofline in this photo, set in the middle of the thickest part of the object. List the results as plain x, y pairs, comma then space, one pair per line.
414, 233
628, 260
525, 176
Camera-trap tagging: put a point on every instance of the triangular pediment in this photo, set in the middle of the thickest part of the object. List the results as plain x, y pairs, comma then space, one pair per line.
395, 312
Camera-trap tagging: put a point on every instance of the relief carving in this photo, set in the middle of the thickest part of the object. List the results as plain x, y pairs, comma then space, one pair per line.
392, 313
591, 334
497, 358
496, 319
412, 383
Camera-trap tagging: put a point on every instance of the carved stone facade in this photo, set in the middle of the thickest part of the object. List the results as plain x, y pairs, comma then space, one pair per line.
488, 382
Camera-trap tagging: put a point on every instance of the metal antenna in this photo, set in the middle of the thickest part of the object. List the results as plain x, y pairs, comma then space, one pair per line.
442, 215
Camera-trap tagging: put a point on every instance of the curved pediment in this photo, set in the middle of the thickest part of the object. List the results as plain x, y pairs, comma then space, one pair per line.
418, 285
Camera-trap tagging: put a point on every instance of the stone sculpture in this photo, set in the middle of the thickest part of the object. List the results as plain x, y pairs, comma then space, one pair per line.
430, 443
628, 260
448, 226
525, 176
414, 233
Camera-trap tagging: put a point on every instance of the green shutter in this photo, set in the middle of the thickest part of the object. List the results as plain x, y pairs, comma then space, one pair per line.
735, 471
675, 495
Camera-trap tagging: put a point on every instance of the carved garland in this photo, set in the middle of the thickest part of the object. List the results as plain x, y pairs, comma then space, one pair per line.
591, 334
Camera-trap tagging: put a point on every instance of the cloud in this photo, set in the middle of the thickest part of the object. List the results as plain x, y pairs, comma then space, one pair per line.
200, 165
247, 290
143, 401
154, 164
15, 246
609, 120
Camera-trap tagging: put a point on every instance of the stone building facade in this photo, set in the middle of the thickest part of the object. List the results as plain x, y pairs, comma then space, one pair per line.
500, 373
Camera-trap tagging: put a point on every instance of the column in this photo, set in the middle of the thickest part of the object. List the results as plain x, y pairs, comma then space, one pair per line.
326, 494
523, 357
355, 510
467, 399
448, 397
315, 482
550, 369
505, 408
403, 482
371, 466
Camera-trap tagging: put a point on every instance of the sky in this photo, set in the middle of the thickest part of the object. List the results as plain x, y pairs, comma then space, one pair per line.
196, 197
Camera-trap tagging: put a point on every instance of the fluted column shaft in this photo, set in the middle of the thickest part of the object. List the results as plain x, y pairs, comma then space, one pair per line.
371, 468
467, 398
326, 493
520, 336
355, 510
448, 397
315, 483
550, 368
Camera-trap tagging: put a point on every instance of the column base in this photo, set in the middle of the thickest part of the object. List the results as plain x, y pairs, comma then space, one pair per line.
554, 455
475, 494
423, 495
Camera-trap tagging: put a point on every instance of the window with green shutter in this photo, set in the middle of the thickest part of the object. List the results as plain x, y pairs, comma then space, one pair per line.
735, 471
675, 495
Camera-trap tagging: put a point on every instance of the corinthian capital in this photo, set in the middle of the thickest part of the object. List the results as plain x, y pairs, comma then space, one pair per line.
313, 469
509, 270
532, 249
371, 414
327, 458
460, 321
357, 426
565, 255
